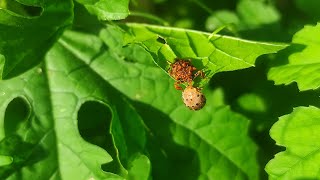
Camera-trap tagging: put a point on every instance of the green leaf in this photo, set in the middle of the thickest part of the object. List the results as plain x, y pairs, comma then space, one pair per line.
107, 9
303, 67
54, 93
212, 55
249, 14
14, 6
255, 13
298, 132
252, 103
209, 138
201, 147
5, 160
77, 70
140, 168
221, 18
25, 39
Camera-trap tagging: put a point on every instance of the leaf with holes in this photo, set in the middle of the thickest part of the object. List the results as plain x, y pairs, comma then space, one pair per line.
298, 132
26, 37
51, 140
78, 71
212, 54
303, 67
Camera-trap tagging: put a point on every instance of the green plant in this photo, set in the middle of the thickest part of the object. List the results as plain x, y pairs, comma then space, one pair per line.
85, 90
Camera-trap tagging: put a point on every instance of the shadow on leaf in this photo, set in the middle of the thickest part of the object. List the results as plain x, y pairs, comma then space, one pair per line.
21, 9
282, 57
23, 154
169, 160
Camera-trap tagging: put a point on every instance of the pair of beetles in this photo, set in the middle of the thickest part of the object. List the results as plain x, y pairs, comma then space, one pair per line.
182, 71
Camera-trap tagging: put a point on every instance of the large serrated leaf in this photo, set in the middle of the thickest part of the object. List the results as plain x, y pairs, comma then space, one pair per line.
303, 67
298, 132
54, 93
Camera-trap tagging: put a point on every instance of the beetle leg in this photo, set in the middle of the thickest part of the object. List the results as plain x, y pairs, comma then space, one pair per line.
199, 73
190, 83
177, 85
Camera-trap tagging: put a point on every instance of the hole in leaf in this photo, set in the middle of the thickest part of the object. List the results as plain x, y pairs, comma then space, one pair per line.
16, 114
94, 121
21, 9
161, 40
